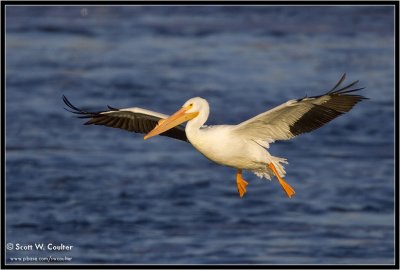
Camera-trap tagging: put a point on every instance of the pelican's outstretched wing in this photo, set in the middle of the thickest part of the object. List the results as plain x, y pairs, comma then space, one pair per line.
302, 115
132, 119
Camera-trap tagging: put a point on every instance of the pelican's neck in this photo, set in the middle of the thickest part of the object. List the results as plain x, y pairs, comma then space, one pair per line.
193, 126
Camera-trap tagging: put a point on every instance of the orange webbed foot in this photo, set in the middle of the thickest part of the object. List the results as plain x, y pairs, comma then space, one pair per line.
241, 183
286, 187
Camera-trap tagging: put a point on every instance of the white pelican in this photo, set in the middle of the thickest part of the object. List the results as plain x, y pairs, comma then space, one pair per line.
241, 146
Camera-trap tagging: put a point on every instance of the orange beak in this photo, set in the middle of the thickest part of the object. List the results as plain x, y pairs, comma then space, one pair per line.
177, 118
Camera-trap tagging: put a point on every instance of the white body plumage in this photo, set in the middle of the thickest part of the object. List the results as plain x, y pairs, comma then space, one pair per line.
226, 145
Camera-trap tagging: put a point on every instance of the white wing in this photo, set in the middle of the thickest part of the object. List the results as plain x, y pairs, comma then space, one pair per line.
132, 119
300, 116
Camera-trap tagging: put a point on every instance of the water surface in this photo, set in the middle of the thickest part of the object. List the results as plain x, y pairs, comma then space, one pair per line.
119, 199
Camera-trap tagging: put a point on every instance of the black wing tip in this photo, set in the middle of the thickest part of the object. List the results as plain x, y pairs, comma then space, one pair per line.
345, 90
112, 108
84, 114
71, 107
342, 78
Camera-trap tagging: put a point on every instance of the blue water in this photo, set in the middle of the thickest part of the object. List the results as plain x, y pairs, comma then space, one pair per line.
118, 199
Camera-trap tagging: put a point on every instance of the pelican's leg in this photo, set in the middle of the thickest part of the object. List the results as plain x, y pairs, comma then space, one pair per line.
286, 187
241, 183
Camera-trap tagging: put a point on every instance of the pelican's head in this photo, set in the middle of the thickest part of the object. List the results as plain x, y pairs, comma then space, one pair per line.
191, 109
197, 104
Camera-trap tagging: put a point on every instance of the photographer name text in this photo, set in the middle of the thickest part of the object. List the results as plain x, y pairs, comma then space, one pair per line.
42, 246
